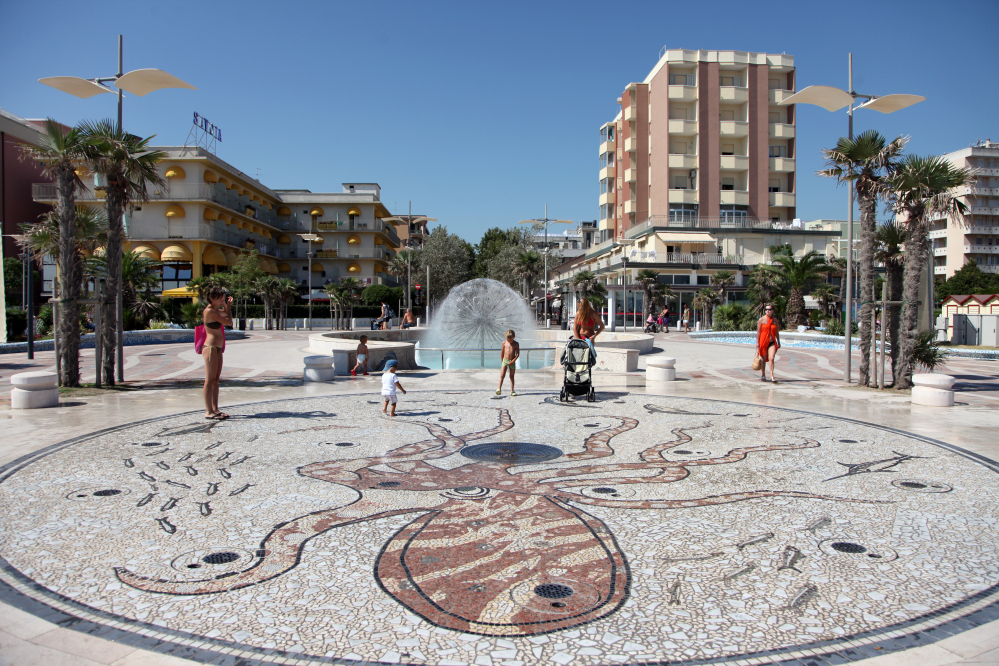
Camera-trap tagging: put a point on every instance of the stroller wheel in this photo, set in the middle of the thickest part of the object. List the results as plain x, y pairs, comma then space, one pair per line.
591, 396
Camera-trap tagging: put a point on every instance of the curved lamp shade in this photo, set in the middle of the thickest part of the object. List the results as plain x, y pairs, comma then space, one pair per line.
74, 85
144, 81
828, 97
891, 103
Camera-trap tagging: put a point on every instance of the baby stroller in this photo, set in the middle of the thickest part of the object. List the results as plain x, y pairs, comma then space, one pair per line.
578, 359
651, 326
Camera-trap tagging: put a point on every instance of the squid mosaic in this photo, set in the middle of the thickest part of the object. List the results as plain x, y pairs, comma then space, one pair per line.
501, 546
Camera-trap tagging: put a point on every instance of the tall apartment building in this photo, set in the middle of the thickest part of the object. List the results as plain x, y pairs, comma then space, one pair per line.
697, 175
977, 240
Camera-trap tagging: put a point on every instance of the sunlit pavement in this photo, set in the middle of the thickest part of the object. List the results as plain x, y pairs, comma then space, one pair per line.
165, 380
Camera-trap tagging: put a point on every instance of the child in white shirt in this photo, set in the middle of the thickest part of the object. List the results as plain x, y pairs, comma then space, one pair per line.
389, 382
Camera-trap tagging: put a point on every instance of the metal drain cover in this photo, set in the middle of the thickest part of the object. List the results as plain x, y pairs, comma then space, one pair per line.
511, 452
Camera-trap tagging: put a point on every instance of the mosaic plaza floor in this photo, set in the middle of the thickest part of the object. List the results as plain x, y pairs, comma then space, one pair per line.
472, 529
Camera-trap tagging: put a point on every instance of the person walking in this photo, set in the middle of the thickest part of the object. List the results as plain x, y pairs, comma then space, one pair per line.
664, 319
587, 324
686, 319
215, 316
768, 341
390, 381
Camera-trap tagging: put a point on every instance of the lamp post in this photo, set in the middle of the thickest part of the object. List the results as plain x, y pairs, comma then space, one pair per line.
409, 245
834, 99
139, 82
546, 221
311, 238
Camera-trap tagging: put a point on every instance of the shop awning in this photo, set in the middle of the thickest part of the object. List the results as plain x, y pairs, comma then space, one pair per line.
685, 237
180, 292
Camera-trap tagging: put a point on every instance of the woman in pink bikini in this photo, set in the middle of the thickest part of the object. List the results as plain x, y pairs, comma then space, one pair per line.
587, 324
215, 316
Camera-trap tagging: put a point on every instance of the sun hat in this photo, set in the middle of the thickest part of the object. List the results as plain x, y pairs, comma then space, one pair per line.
391, 363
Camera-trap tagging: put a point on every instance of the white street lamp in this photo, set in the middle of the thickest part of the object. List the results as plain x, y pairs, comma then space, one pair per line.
409, 244
834, 99
546, 221
139, 82
311, 238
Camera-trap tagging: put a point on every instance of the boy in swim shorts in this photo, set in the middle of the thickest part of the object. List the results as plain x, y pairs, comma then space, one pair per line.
508, 358
362, 356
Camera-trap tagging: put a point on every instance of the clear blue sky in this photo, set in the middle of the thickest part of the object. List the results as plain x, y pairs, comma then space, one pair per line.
483, 112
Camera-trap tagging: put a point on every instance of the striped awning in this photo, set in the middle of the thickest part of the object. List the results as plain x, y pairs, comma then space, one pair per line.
685, 237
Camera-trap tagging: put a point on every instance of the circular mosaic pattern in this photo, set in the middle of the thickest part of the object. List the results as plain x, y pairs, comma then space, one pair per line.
647, 529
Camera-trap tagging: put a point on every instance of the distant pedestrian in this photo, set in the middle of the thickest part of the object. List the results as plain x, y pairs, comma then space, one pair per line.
362, 357
509, 354
664, 319
390, 381
686, 319
768, 341
214, 318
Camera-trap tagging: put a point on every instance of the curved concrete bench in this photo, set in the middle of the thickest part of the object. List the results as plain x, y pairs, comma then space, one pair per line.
33, 390
342, 346
318, 369
933, 390
660, 369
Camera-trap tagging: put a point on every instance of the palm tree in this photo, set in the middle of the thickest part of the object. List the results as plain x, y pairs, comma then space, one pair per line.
826, 295
137, 273
267, 288
337, 300
585, 282
287, 292
648, 280
399, 268
722, 280
351, 287
125, 164
529, 266
866, 162
762, 286
890, 238
60, 152
924, 189
704, 301
796, 276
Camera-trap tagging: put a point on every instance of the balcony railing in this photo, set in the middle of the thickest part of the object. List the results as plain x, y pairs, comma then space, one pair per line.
367, 253
687, 258
684, 222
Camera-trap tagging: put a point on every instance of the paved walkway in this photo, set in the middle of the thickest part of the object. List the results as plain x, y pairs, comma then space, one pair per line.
268, 367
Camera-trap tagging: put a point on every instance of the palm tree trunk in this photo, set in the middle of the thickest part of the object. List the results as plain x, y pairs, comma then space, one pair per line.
915, 261
868, 208
70, 275
112, 257
795, 307
894, 294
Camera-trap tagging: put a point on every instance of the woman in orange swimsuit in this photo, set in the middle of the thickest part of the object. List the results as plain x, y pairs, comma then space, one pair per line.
215, 316
768, 341
587, 325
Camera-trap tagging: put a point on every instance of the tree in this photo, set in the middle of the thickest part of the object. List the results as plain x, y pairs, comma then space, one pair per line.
652, 288
826, 295
268, 288
866, 163
721, 281
60, 152
704, 302
970, 279
493, 242
925, 188
376, 293
890, 239
287, 293
351, 288
585, 282
242, 276
449, 259
797, 276
401, 266
783, 248
529, 267
125, 163
337, 302
138, 273
762, 287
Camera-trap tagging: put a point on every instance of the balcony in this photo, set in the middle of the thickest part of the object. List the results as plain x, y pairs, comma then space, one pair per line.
683, 127
631, 113
733, 128
940, 270
940, 251
607, 147
734, 95
682, 94
683, 161
778, 96
976, 191
630, 175
683, 196
781, 199
781, 131
981, 249
607, 198
365, 253
981, 210
938, 233
734, 163
607, 172
630, 207
719, 224
781, 165
738, 197
631, 144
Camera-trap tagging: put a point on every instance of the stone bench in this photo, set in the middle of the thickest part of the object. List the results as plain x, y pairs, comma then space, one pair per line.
33, 390
933, 390
319, 369
660, 369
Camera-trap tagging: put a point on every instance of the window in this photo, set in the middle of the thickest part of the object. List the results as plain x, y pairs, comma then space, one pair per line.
606, 211
728, 149
677, 114
727, 114
606, 185
665, 279
681, 279
681, 80
778, 151
774, 117
679, 183
678, 148
175, 275
682, 212
703, 279
775, 84
733, 212
731, 81
728, 183
774, 185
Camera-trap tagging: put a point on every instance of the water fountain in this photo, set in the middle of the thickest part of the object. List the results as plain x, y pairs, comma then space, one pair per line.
476, 316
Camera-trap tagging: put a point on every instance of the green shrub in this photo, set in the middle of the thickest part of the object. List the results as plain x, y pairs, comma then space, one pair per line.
157, 325
731, 317
17, 323
927, 352
836, 327
376, 293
